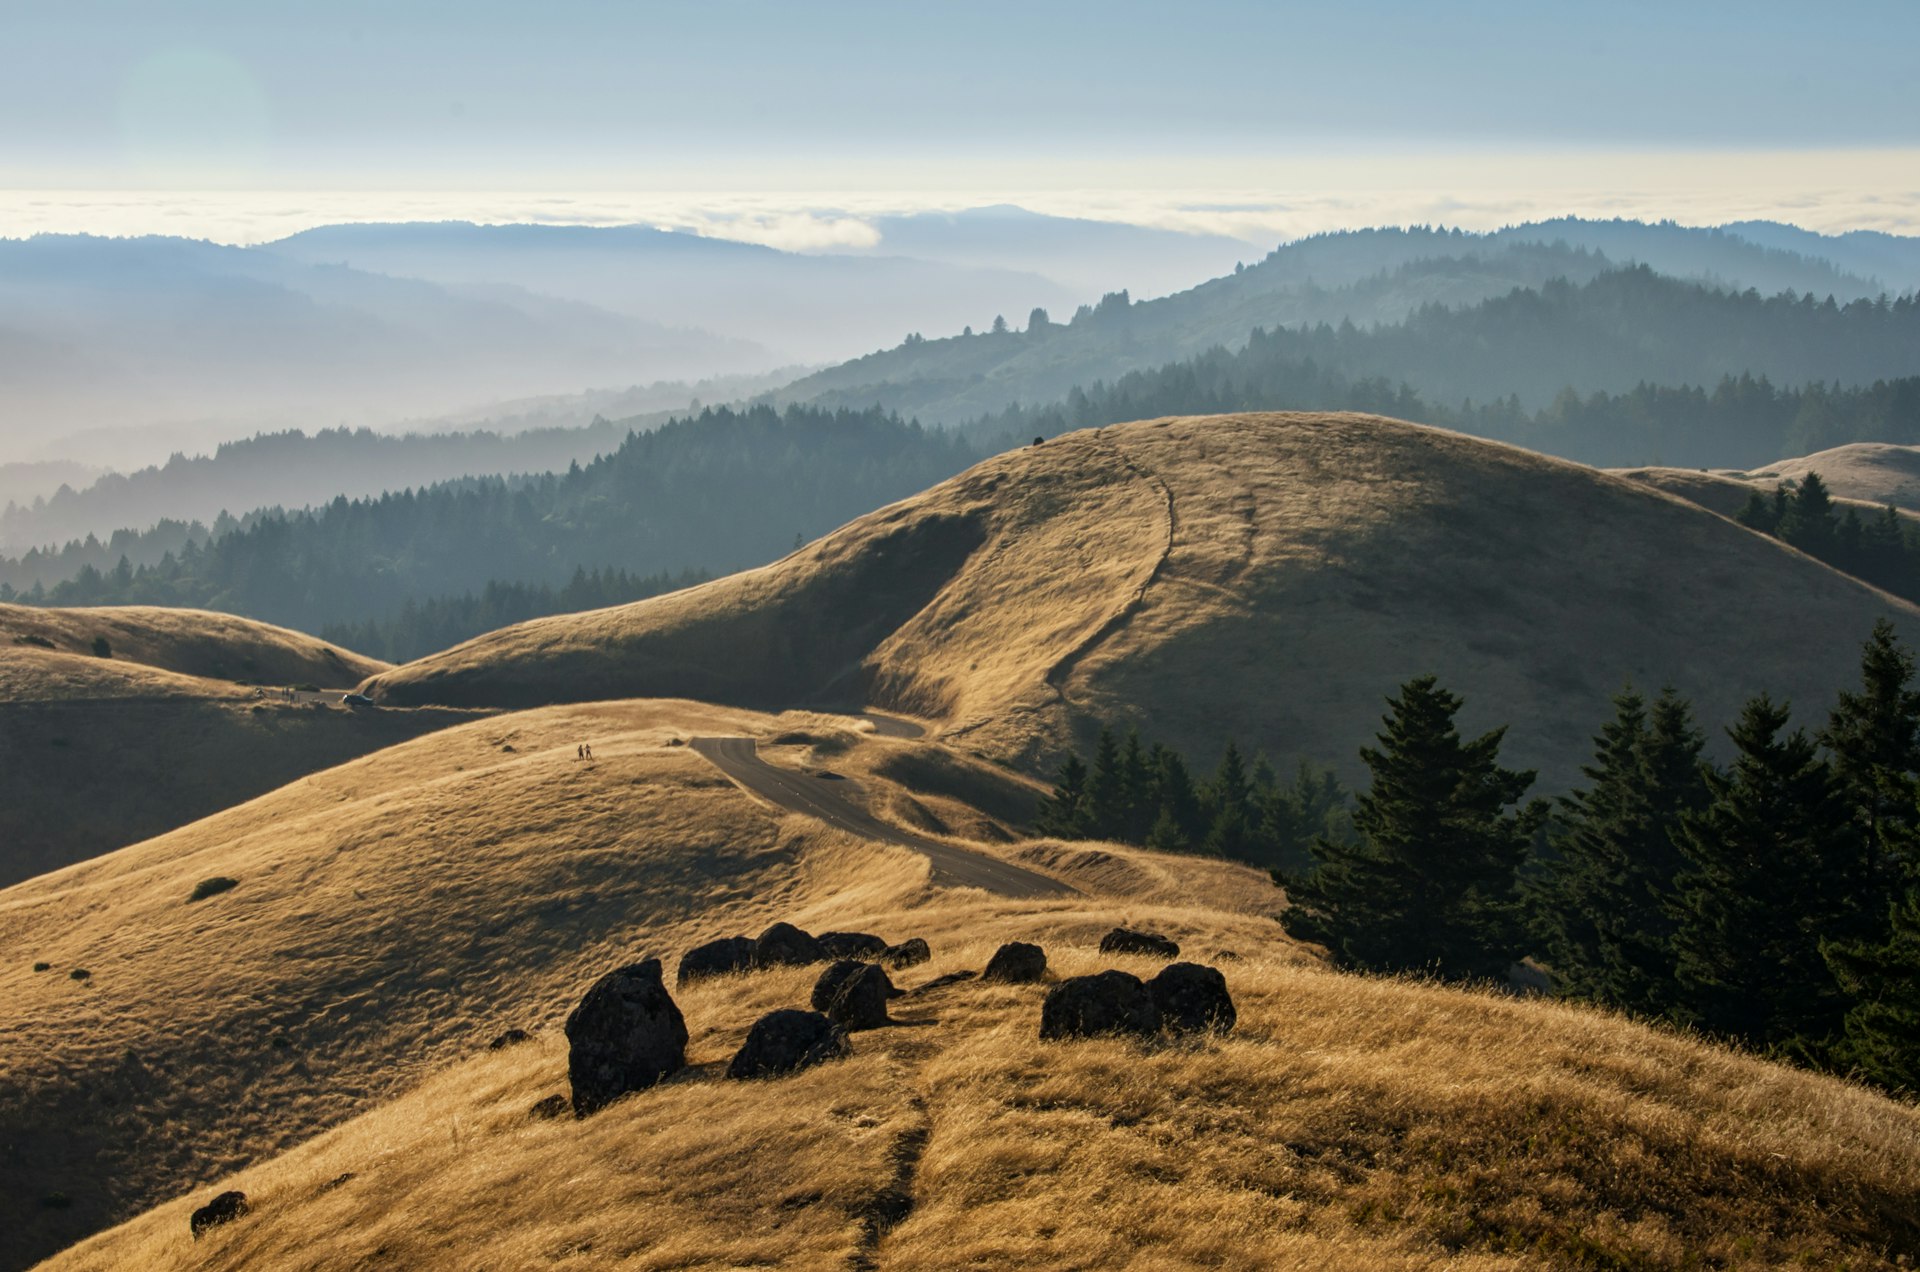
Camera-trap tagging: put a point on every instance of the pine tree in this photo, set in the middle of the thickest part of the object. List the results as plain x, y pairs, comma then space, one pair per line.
1882, 1028
1808, 522
1106, 790
1874, 736
1139, 808
1602, 902
1431, 884
1178, 824
1293, 816
1064, 812
1229, 808
1753, 901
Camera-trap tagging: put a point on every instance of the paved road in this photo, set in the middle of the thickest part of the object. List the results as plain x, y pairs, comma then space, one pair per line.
828, 800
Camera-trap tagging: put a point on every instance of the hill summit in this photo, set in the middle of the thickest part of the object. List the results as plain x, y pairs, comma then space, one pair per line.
1263, 577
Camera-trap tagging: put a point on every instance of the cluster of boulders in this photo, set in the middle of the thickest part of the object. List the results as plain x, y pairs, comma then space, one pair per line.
784, 945
627, 1034
1183, 998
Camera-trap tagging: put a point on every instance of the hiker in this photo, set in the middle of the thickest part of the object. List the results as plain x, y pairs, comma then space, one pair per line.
589, 750
580, 751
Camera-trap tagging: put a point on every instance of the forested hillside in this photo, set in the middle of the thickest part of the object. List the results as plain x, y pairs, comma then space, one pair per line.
1620, 329
719, 492
1740, 421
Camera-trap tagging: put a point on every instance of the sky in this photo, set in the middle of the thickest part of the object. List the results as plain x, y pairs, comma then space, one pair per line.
788, 123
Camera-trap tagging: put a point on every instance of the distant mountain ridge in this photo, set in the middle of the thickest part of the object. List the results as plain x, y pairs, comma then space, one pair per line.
96, 332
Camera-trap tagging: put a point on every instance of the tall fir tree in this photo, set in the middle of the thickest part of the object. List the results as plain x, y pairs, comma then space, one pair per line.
1229, 805
1754, 899
1106, 790
1431, 884
1881, 1032
1874, 737
1064, 811
1602, 902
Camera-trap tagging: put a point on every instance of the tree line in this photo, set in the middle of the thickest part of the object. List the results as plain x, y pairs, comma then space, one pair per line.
1742, 421
1773, 901
705, 494
442, 622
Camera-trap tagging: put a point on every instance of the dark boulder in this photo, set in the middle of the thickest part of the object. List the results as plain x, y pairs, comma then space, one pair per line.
1017, 963
1088, 1006
784, 945
1127, 941
1192, 998
786, 1041
853, 995
909, 953
625, 1035
549, 1107
716, 958
511, 1038
852, 944
225, 1208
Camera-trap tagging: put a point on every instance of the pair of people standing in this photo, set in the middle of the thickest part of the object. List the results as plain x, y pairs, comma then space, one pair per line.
584, 751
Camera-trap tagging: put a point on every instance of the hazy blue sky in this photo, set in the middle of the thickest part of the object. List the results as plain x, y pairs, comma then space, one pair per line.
574, 96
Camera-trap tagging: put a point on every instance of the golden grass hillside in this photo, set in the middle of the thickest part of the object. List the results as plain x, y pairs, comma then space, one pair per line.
100, 752
1727, 493
1878, 473
1345, 1123
390, 915
1266, 577
190, 642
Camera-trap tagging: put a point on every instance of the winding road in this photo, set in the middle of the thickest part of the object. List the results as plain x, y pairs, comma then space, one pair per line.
827, 799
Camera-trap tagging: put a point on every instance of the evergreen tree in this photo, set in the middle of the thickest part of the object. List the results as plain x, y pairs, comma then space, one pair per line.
1106, 802
1874, 737
1178, 823
1432, 882
1754, 901
1064, 812
1881, 1039
1229, 808
1136, 792
1602, 901
1808, 522
1293, 816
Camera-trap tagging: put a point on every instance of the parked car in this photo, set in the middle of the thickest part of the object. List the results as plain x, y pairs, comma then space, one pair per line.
357, 700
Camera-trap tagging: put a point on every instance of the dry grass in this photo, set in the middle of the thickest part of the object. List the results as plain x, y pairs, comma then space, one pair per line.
97, 753
1346, 1123
1874, 472
1726, 492
195, 643
395, 913
391, 913
1269, 577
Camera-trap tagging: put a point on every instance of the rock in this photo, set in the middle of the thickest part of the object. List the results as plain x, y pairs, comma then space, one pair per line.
549, 1107
1127, 941
225, 1208
786, 1041
338, 1181
1017, 963
1192, 998
43, 967
909, 953
853, 995
79, 973
852, 944
625, 1035
511, 1038
1088, 1006
784, 945
716, 958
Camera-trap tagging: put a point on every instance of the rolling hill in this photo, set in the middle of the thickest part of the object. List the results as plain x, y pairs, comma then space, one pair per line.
392, 916
1266, 577
318, 1035
98, 752
1866, 476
